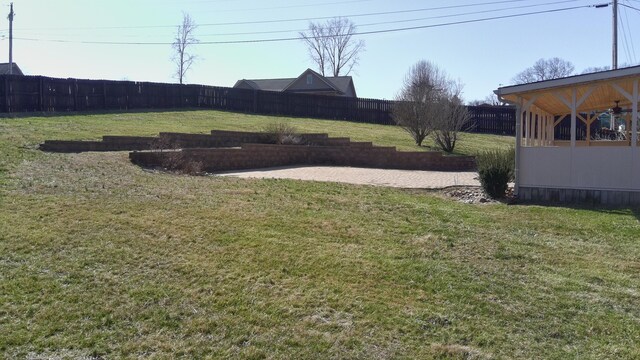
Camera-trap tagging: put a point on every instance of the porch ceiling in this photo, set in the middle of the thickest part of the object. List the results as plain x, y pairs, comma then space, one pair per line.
602, 97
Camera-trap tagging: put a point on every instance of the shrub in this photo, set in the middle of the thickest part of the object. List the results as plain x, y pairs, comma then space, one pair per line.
496, 170
162, 143
429, 102
281, 133
452, 119
176, 161
192, 168
173, 159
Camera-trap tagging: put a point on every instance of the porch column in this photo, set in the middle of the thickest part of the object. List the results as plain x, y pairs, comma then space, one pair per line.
539, 137
516, 169
574, 113
634, 115
527, 130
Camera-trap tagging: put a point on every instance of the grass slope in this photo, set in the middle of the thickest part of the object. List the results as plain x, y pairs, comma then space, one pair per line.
101, 258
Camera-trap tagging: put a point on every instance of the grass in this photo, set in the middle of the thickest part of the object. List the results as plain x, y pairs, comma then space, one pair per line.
99, 258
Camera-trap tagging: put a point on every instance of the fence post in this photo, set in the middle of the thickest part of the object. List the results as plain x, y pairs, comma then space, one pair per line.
6, 94
255, 101
40, 94
104, 94
75, 94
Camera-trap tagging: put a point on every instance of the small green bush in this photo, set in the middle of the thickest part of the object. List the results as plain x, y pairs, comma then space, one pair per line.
496, 170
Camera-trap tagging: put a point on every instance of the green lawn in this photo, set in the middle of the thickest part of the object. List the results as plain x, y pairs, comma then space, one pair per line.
99, 258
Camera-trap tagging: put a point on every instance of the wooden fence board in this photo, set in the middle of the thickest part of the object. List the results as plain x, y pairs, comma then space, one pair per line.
39, 93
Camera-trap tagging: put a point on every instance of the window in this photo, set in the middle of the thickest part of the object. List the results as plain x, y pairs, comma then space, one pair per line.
309, 79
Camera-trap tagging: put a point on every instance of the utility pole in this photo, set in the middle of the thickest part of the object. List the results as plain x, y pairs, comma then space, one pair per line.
10, 17
614, 65
614, 59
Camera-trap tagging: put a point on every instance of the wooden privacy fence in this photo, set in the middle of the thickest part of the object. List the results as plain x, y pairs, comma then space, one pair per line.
44, 94
499, 120
39, 93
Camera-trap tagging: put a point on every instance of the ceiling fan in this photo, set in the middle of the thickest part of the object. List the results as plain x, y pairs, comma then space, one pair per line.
617, 110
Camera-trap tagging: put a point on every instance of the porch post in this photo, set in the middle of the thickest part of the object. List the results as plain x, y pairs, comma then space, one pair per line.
539, 136
516, 171
634, 115
574, 113
527, 131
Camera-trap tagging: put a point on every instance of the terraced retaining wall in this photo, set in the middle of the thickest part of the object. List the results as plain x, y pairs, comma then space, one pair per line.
239, 150
166, 140
252, 156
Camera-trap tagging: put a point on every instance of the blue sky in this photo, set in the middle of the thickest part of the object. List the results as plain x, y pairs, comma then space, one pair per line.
51, 38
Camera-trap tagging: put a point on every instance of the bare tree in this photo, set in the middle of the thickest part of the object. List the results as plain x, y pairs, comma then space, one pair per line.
316, 41
182, 42
593, 69
342, 50
419, 100
332, 46
491, 99
494, 100
453, 118
545, 69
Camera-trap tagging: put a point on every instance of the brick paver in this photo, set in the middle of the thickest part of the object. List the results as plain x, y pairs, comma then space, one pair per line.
379, 177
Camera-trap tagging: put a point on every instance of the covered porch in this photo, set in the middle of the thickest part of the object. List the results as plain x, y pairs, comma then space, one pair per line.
599, 159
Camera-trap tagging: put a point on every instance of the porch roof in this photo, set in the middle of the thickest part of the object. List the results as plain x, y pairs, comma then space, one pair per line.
594, 91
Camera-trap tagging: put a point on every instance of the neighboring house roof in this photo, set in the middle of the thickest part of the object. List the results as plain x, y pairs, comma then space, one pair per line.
4, 69
340, 85
343, 83
266, 84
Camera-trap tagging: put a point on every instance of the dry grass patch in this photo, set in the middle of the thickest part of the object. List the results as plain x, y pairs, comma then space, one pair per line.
100, 258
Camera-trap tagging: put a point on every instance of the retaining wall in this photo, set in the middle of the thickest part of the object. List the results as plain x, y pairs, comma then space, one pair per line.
171, 140
252, 156
239, 150
108, 143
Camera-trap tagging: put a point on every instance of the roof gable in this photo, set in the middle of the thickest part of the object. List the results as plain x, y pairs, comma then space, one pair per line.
344, 84
265, 84
310, 80
4, 69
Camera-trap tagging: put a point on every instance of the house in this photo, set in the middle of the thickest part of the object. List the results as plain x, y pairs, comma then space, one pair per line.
602, 170
309, 82
4, 69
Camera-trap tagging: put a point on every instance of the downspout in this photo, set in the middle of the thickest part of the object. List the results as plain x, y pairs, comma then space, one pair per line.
516, 169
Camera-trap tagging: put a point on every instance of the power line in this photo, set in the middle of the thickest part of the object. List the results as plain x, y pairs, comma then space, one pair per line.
629, 42
366, 14
296, 38
295, 6
630, 7
287, 20
397, 21
625, 42
409, 20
